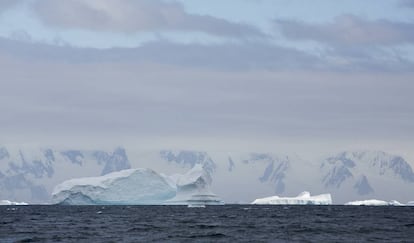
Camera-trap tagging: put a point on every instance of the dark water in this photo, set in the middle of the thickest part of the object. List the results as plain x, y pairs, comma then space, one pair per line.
211, 224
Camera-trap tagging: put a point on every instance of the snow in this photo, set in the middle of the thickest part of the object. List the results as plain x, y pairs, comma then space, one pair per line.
303, 198
374, 202
193, 189
127, 187
7, 202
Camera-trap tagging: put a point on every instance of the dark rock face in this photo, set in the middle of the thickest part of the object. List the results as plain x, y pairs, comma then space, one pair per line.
336, 176
338, 170
74, 156
189, 158
4, 153
231, 165
401, 168
362, 186
275, 172
116, 161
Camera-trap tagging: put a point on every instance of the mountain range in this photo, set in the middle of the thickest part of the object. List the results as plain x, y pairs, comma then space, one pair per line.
30, 174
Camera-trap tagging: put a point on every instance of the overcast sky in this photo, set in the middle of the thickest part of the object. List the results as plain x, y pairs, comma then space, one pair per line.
246, 74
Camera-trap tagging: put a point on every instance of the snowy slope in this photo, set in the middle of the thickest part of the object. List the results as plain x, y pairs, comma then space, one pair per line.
363, 175
29, 174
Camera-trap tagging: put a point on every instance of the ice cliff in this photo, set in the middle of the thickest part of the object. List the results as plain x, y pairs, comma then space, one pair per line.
303, 198
138, 187
127, 187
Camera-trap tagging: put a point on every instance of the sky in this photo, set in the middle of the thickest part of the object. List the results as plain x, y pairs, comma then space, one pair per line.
268, 75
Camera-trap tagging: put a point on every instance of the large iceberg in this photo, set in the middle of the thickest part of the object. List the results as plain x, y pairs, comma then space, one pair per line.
303, 198
139, 187
374, 202
127, 187
193, 189
7, 202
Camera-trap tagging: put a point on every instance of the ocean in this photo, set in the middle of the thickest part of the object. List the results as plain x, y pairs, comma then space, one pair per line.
229, 223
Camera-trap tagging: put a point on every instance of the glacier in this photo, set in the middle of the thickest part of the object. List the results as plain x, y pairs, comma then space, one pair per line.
374, 202
303, 198
139, 187
127, 187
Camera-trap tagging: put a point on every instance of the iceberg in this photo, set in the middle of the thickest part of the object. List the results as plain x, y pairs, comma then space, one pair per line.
127, 187
7, 202
410, 203
193, 189
139, 187
374, 202
303, 198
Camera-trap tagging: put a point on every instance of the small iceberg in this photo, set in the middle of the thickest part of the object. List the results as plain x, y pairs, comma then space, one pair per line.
374, 202
7, 203
303, 198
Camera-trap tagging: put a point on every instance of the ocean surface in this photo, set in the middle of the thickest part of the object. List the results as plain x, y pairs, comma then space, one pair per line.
230, 223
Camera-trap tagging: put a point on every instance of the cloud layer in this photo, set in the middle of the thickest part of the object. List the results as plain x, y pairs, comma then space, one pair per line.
354, 83
350, 30
129, 99
132, 16
407, 3
5, 4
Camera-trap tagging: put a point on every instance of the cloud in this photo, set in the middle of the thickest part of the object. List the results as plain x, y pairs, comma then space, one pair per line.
407, 3
350, 30
132, 16
125, 94
225, 56
5, 4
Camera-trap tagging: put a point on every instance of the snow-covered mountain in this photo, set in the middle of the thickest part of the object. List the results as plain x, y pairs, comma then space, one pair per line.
30, 174
365, 174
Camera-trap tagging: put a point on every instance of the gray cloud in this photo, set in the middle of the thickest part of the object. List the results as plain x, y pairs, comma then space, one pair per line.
134, 16
224, 56
44, 94
5, 4
350, 30
242, 56
407, 3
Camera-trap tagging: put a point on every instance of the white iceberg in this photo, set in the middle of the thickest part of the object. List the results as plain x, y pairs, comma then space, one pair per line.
139, 187
7, 202
303, 198
127, 187
374, 202
193, 189
410, 203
